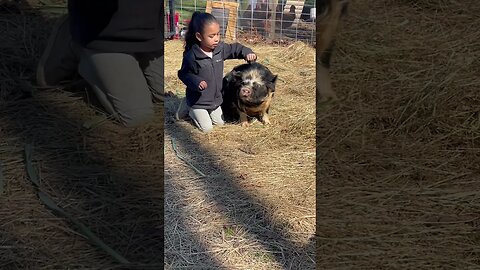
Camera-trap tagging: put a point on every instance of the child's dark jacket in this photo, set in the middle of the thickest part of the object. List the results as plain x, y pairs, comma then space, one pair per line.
197, 67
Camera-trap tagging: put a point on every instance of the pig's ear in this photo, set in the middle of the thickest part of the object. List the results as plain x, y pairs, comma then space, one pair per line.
232, 75
237, 74
274, 79
271, 83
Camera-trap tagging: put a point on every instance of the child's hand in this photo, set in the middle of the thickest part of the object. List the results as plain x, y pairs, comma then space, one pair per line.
251, 57
203, 85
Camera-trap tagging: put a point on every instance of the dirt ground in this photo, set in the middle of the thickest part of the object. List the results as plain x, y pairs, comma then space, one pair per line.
398, 155
254, 205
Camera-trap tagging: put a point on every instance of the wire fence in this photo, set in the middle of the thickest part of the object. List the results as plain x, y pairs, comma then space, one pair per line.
276, 20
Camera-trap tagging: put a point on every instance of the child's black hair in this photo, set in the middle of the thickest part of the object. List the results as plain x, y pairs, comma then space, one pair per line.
197, 23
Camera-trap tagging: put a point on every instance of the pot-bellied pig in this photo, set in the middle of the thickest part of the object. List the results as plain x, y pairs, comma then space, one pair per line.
248, 92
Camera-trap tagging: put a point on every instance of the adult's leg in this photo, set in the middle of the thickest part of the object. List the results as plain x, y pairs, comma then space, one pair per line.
119, 84
152, 65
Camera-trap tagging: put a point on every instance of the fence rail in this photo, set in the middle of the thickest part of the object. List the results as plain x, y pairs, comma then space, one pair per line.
269, 19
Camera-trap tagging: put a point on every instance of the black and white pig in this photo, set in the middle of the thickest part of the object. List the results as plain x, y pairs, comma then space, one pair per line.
248, 92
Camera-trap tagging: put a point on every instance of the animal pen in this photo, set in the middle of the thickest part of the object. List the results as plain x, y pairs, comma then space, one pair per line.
219, 204
275, 20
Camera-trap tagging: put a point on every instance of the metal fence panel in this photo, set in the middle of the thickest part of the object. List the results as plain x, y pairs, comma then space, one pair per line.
288, 20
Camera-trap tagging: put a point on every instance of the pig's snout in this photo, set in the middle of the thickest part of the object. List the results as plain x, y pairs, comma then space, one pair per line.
245, 92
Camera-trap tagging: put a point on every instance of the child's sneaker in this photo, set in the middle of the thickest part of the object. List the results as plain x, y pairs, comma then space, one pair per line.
182, 110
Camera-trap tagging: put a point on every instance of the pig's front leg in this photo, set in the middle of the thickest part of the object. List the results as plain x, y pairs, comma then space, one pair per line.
264, 118
243, 119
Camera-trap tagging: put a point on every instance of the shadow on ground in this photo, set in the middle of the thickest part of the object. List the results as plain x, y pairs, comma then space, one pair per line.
107, 177
244, 209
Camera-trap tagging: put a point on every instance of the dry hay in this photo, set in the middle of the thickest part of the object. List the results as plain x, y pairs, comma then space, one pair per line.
398, 156
109, 178
254, 209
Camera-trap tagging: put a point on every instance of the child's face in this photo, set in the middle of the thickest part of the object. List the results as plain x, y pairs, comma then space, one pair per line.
210, 37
